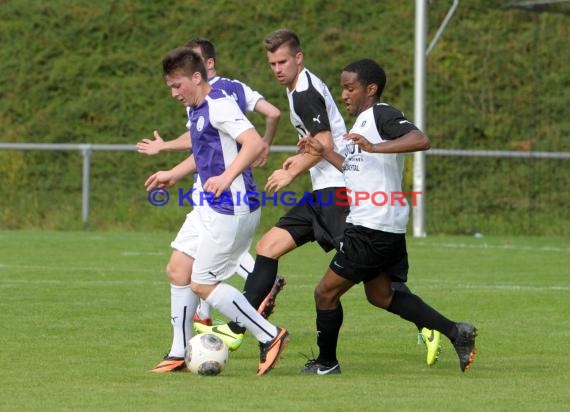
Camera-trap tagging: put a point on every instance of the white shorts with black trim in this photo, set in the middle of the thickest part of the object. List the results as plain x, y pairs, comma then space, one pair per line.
216, 241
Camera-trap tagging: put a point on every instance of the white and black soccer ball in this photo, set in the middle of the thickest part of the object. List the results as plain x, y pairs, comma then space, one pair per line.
206, 354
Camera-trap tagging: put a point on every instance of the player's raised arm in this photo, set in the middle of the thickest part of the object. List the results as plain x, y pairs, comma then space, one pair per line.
272, 116
413, 141
167, 178
152, 147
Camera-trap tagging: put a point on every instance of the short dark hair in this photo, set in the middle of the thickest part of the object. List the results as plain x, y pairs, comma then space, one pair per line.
206, 47
369, 72
185, 60
280, 37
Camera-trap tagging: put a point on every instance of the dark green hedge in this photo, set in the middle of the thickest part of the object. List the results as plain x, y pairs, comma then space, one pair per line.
86, 71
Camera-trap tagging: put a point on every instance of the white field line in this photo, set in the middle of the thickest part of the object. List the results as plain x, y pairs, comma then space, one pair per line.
422, 283
501, 287
435, 284
44, 268
8, 282
489, 246
131, 253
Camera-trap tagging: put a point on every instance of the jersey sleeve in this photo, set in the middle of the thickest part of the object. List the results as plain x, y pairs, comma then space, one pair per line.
226, 116
251, 97
310, 106
390, 122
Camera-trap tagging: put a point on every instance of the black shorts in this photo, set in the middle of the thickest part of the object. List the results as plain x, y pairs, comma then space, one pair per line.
366, 253
321, 219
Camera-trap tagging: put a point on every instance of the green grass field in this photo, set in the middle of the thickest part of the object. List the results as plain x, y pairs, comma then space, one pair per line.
85, 315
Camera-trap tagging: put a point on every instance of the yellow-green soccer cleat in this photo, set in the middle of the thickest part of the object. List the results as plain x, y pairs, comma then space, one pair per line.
230, 338
432, 340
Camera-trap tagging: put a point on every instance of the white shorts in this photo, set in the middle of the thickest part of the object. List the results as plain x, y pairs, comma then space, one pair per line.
217, 242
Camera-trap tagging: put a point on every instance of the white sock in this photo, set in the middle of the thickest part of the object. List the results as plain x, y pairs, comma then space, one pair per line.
235, 306
204, 310
245, 266
183, 303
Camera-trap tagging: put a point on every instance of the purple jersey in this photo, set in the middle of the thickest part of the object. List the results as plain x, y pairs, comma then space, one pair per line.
214, 126
242, 93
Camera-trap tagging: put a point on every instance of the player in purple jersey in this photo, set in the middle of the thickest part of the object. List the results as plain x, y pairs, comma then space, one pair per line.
373, 246
248, 100
217, 233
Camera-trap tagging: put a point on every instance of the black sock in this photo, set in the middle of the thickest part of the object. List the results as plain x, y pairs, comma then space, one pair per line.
328, 326
260, 281
257, 285
402, 287
413, 309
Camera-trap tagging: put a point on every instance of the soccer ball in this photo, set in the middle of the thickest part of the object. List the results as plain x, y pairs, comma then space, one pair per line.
206, 354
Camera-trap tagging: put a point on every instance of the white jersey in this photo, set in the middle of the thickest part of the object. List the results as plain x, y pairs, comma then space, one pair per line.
313, 110
377, 175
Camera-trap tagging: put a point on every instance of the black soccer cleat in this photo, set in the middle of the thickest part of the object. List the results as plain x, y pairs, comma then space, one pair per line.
314, 367
268, 305
464, 344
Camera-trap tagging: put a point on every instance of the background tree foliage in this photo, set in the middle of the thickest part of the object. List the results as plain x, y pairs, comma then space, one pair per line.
89, 72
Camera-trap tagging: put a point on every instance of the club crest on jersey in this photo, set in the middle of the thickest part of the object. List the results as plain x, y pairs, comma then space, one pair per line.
200, 123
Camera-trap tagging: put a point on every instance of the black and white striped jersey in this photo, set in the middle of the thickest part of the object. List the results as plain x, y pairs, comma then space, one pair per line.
312, 110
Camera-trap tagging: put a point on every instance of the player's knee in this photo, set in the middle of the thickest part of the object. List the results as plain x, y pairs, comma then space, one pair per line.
380, 303
176, 275
324, 298
275, 244
196, 288
260, 248
267, 247
170, 271
380, 300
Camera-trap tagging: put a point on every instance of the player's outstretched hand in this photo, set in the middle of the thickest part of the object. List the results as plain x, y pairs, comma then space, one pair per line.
278, 180
151, 147
162, 179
